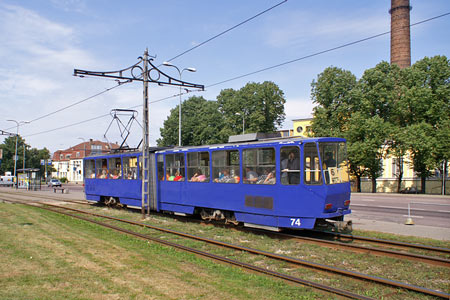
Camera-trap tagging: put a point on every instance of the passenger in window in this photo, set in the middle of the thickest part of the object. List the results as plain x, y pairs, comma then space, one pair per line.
115, 175
178, 177
104, 174
250, 176
225, 177
262, 178
198, 177
291, 166
329, 162
270, 179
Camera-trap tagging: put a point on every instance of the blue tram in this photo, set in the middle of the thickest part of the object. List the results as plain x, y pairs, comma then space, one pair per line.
273, 183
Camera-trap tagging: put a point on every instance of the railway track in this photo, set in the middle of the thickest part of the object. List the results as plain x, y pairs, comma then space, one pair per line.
352, 274
340, 241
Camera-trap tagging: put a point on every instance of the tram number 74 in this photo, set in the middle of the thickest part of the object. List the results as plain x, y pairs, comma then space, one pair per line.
295, 222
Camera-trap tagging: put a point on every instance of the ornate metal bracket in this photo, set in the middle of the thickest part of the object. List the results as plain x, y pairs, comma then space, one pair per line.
7, 133
135, 72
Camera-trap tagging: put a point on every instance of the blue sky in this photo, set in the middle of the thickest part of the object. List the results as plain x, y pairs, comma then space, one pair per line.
43, 41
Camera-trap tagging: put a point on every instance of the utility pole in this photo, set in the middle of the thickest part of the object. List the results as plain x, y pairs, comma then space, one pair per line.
145, 144
147, 72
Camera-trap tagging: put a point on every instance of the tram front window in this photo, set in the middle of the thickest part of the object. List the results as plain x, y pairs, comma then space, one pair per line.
89, 168
334, 162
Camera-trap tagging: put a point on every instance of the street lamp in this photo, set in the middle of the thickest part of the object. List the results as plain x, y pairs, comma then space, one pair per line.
243, 121
169, 64
15, 152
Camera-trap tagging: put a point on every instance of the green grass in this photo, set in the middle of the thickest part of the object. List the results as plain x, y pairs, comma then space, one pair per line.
414, 273
50, 256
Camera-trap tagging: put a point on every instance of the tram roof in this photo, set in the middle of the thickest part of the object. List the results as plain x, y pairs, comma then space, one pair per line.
243, 142
252, 142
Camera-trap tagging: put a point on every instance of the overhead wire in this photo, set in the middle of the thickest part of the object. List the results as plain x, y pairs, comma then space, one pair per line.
229, 29
202, 43
258, 71
320, 52
73, 104
95, 118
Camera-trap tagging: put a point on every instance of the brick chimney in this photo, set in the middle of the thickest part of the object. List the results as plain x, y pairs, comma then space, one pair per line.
400, 33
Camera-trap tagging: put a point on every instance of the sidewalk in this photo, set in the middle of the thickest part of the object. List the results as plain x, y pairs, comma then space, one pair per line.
437, 233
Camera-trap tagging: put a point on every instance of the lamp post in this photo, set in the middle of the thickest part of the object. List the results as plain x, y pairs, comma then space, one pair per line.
169, 64
15, 152
243, 121
24, 149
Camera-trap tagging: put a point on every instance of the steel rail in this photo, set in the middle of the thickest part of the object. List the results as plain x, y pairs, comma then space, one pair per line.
206, 254
438, 261
322, 267
386, 242
336, 244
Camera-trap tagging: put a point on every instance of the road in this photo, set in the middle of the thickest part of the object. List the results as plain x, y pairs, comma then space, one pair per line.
427, 210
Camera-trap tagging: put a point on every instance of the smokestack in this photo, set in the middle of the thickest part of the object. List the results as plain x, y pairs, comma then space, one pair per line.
400, 33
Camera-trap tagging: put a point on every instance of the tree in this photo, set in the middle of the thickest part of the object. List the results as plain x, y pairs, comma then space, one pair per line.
33, 156
261, 104
358, 111
333, 92
9, 147
426, 107
201, 124
366, 136
209, 122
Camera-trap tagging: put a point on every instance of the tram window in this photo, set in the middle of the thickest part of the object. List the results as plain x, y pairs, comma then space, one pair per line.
290, 165
175, 167
334, 162
313, 175
130, 167
102, 168
198, 166
89, 168
226, 166
259, 166
115, 168
160, 166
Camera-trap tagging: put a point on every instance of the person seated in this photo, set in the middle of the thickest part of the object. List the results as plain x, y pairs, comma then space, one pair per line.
225, 177
198, 177
167, 175
202, 178
104, 174
115, 175
178, 177
270, 179
250, 176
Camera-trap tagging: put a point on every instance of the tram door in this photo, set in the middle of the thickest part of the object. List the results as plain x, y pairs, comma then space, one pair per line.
312, 171
153, 185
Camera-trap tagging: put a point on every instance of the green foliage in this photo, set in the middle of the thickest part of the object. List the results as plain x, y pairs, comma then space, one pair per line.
334, 92
210, 122
401, 111
33, 156
262, 104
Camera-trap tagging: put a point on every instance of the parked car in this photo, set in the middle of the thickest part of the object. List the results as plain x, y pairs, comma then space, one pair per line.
54, 183
409, 190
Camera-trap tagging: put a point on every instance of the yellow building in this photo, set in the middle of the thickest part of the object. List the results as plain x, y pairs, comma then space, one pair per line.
302, 127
